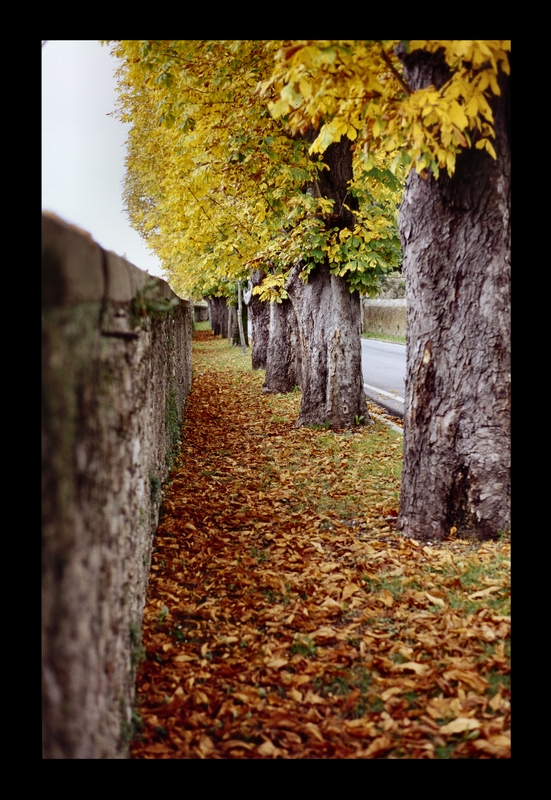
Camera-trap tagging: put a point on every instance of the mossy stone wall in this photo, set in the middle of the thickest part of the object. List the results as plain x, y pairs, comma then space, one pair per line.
116, 370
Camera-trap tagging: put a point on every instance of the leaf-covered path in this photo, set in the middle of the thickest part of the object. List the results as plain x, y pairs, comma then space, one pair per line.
286, 618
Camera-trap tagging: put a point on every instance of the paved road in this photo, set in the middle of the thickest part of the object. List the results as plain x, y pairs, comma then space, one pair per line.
384, 373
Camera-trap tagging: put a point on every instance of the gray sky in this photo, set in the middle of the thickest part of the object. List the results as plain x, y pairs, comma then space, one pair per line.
83, 149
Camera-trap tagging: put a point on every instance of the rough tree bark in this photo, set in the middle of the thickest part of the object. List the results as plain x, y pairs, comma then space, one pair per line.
232, 325
283, 356
234, 337
328, 316
241, 319
456, 241
218, 314
260, 323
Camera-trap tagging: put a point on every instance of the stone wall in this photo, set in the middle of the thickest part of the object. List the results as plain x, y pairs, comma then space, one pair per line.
393, 287
116, 369
387, 317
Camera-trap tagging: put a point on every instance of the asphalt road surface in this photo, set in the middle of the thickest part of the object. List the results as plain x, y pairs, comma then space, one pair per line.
384, 373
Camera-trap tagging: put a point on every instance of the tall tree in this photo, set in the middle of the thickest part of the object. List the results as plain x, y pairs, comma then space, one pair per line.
219, 188
456, 238
447, 104
328, 311
260, 322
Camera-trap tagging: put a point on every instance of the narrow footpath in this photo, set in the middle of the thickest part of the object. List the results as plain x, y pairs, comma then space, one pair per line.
285, 618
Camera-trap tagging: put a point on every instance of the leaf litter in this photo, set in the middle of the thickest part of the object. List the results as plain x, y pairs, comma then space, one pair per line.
286, 618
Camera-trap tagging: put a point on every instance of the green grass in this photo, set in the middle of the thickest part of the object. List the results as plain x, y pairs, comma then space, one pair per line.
384, 337
304, 647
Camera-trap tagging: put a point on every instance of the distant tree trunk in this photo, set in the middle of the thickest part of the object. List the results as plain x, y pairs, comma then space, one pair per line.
218, 315
328, 315
456, 242
260, 322
241, 310
234, 338
329, 320
283, 356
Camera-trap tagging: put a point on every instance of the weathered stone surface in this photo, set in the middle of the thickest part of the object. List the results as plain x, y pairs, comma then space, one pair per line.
393, 287
384, 317
115, 374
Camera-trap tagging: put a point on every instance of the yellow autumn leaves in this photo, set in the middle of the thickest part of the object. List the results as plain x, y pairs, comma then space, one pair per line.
356, 89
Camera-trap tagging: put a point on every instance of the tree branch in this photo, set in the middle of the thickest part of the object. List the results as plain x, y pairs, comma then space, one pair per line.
393, 69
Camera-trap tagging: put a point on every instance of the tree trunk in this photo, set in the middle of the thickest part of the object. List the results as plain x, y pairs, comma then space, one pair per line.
260, 322
283, 356
241, 312
328, 318
456, 241
218, 314
234, 337
328, 315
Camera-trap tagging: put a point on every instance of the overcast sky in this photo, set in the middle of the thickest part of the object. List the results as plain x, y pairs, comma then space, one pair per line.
83, 149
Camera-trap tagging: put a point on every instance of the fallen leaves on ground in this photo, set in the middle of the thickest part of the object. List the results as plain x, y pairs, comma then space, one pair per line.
285, 618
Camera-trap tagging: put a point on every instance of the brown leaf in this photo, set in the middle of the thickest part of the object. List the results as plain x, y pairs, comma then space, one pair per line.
350, 589
205, 746
386, 597
361, 728
234, 744
277, 663
311, 697
419, 669
329, 603
313, 730
470, 678
459, 725
484, 592
377, 746
436, 600
268, 749
394, 690
324, 633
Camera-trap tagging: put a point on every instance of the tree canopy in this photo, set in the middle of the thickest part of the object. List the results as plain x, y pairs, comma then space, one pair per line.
217, 185
357, 89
